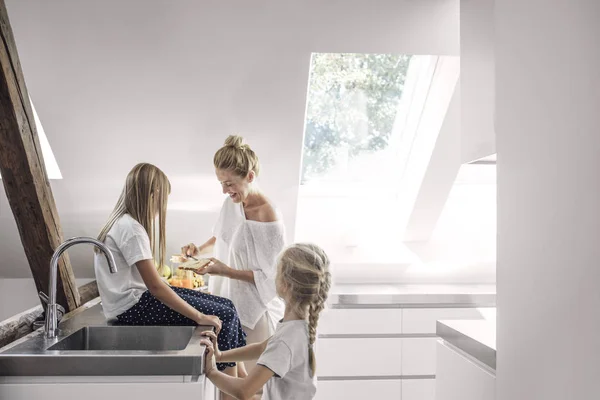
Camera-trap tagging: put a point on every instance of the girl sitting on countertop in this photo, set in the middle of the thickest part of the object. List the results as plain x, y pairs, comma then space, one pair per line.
286, 361
136, 294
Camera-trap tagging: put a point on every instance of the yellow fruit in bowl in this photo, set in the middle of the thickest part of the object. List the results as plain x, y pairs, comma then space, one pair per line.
198, 280
163, 271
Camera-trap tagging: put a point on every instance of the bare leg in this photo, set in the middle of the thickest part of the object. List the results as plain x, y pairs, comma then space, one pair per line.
231, 371
242, 373
261, 332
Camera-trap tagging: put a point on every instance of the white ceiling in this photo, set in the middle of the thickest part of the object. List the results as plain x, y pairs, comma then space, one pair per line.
119, 82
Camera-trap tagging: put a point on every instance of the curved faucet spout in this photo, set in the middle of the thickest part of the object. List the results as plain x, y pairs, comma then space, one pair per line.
51, 320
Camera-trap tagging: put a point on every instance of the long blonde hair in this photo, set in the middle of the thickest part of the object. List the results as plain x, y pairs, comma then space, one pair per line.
304, 269
237, 156
145, 194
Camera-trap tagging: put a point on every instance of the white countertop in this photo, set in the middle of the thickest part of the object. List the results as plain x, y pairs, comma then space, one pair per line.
476, 337
413, 294
480, 330
412, 289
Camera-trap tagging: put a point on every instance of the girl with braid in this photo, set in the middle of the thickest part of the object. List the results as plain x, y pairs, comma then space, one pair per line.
286, 366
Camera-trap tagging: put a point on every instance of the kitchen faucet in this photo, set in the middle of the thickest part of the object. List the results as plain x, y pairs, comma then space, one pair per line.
51, 324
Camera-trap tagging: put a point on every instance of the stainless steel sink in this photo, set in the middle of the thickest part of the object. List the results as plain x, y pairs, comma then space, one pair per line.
122, 338
86, 345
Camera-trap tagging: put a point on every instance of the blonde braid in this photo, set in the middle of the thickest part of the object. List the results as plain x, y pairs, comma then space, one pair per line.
314, 310
304, 268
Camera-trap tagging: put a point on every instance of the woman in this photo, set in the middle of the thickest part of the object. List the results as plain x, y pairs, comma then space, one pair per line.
136, 295
248, 236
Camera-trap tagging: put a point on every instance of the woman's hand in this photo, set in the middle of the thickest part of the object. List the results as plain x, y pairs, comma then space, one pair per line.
215, 267
213, 338
190, 250
210, 364
211, 320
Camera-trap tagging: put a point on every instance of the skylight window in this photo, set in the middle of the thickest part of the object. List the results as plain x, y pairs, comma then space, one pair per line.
51, 165
372, 121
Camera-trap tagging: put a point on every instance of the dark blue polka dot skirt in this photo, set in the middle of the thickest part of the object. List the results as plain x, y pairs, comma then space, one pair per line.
150, 311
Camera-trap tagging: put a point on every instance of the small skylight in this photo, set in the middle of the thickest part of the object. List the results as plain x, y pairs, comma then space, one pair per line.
50, 162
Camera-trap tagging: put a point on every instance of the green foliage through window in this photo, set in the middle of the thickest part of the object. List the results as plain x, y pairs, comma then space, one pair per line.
352, 103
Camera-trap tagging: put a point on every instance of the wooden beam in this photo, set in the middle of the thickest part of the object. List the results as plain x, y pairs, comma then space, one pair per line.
20, 325
24, 174
88, 292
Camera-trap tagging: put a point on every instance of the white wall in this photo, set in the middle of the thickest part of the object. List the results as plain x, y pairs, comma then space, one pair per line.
440, 176
477, 79
115, 83
547, 120
462, 246
17, 295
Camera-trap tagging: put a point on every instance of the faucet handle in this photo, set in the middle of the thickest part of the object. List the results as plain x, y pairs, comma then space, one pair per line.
60, 309
43, 297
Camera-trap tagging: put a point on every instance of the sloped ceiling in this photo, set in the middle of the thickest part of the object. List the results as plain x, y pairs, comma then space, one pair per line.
118, 82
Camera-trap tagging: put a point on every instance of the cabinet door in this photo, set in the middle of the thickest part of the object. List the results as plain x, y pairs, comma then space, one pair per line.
360, 321
102, 391
418, 389
359, 357
423, 320
418, 356
359, 390
210, 391
461, 378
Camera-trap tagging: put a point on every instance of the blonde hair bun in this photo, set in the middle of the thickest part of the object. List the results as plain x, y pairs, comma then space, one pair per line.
237, 142
237, 156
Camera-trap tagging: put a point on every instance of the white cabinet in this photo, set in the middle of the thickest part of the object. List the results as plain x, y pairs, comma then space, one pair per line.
102, 388
423, 320
360, 321
477, 86
418, 389
359, 357
418, 356
359, 347
210, 391
359, 390
461, 378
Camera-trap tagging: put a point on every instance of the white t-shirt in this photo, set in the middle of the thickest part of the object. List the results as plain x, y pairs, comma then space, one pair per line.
129, 243
287, 356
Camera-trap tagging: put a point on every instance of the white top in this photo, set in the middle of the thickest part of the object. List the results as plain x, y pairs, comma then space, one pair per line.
287, 356
249, 246
129, 243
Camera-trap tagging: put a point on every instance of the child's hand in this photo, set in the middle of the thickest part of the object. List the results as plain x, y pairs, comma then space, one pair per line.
213, 320
210, 364
213, 340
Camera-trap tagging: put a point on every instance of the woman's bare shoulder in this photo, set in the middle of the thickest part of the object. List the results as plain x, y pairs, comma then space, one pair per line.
268, 212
